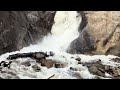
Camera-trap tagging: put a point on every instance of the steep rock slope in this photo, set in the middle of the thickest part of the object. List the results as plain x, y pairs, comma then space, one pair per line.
99, 33
104, 26
22, 28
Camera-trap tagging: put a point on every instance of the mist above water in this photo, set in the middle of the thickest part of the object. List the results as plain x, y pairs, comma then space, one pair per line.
64, 31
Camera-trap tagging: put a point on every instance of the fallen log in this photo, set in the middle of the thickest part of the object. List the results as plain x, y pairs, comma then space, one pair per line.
35, 55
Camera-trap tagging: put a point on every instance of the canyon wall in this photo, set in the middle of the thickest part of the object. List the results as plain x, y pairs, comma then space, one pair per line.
22, 28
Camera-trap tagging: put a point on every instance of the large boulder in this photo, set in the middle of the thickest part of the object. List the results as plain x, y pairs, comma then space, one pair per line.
22, 28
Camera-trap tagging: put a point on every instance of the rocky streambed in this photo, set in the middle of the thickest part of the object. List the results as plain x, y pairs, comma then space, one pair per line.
45, 65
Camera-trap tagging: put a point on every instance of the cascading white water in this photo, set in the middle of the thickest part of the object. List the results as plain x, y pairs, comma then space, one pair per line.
64, 31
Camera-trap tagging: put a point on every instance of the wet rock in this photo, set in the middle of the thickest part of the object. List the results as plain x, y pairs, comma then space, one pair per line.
100, 73
36, 68
97, 71
96, 68
116, 60
73, 69
47, 63
59, 65
27, 63
52, 53
107, 67
77, 75
79, 62
40, 55
78, 59
72, 57
116, 72
101, 69
5, 64
93, 69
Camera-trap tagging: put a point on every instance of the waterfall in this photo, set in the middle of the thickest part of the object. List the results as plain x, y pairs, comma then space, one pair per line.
64, 31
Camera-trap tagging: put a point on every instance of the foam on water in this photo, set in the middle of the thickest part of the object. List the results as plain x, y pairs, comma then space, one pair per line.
64, 31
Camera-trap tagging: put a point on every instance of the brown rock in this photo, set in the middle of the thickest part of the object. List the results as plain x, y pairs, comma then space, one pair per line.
100, 33
36, 68
104, 27
77, 75
101, 73
47, 63
107, 68
59, 65
93, 69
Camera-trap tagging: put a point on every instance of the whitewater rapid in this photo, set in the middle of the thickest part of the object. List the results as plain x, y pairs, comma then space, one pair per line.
64, 31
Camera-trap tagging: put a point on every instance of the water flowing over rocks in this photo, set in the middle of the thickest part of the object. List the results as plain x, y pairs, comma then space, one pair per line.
60, 45
24, 67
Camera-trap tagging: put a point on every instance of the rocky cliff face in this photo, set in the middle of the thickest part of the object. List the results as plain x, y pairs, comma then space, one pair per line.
104, 26
100, 33
22, 28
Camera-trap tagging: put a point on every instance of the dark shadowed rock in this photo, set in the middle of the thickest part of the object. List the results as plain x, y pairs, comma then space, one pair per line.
84, 44
78, 59
73, 69
52, 53
59, 65
116, 60
100, 73
36, 68
79, 62
84, 20
27, 63
22, 28
35, 55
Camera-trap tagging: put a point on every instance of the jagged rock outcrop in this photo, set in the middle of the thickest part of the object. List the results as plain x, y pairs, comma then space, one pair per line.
85, 42
22, 28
